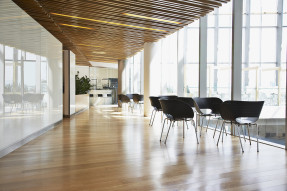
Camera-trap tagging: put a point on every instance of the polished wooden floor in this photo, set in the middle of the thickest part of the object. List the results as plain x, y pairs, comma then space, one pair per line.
105, 149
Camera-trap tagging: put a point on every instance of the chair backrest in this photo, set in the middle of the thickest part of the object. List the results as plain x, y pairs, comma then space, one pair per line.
230, 110
130, 96
168, 97
187, 100
7, 98
12, 98
120, 97
137, 98
176, 109
125, 99
200, 103
212, 103
154, 101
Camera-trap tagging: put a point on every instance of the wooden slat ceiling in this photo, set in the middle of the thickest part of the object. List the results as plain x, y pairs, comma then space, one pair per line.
109, 30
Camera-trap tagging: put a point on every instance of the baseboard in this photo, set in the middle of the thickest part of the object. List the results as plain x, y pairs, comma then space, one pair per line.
29, 138
76, 113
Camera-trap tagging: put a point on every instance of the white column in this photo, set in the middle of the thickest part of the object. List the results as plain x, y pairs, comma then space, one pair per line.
120, 78
203, 56
66, 81
236, 49
2, 76
152, 73
181, 50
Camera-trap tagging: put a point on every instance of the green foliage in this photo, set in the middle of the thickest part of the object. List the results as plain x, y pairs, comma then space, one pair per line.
82, 85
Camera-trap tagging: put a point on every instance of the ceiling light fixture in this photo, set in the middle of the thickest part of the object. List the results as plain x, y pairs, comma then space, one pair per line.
151, 18
76, 26
99, 52
88, 45
107, 22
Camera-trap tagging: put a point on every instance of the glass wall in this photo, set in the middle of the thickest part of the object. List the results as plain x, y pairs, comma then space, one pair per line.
219, 36
264, 44
264, 63
30, 76
169, 65
191, 66
133, 75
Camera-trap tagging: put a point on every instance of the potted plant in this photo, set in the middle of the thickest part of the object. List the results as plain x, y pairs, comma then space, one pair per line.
82, 89
82, 84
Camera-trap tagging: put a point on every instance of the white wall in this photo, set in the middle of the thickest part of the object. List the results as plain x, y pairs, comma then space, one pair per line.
83, 71
37, 58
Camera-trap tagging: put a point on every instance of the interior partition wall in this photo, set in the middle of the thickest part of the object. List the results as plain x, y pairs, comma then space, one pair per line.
30, 78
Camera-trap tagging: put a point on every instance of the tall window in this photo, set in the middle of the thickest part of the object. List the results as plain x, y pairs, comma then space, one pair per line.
133, 75
219, 38
169, 65
264, 63
191, 66
263, 69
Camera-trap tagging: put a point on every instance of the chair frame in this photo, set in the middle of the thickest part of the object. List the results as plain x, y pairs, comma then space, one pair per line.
233, 111
171, 116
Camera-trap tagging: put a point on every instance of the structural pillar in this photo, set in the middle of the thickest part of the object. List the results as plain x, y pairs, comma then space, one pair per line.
152, 67
69, 91
203, 56
2, 76
181, 51
121, 66
236, 77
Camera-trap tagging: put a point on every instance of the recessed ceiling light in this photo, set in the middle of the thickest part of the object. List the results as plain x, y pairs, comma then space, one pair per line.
99, 52
76, 26
151, 18
88, 45
107, 22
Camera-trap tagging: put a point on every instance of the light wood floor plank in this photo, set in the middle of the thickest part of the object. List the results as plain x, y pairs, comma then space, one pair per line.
106, 149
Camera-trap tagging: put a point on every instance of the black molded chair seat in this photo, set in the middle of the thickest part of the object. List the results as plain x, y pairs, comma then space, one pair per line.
246, 120
241, 113
176, 110
156, 108
168, 97
187, 100
212, 104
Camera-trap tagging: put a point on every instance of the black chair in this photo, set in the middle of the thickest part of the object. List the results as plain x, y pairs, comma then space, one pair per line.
119, 100
168, 97
212, 107
125, 99
187, 100
176, 110
156, 107
241, 113
130, 96
138, 99
12, 99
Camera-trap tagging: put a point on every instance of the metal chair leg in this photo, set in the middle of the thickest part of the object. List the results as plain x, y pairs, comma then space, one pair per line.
162, 129
151, 117
168, 131
207, 124
248, 132
201, 125
186, 124
257, 137
220, 132
215, 128
195, 129
183, 129
239, 137
241, 130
